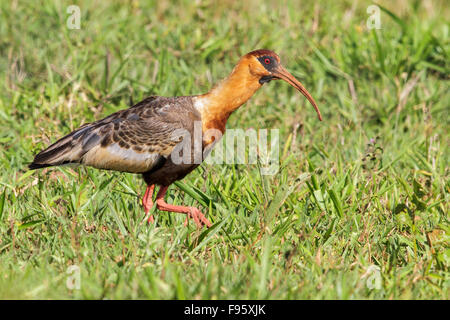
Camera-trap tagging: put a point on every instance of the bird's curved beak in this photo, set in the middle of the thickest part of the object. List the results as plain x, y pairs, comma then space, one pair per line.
282, 73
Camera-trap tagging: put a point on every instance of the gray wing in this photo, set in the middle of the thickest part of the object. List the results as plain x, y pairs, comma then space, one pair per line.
131, 140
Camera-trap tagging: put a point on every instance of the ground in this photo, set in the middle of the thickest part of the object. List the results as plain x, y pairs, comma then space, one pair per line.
357, 210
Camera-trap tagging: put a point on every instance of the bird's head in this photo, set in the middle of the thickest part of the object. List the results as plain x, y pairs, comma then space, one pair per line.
265, 64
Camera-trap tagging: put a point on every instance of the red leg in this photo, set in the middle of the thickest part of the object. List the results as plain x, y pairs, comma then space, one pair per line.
191, 212
147, 202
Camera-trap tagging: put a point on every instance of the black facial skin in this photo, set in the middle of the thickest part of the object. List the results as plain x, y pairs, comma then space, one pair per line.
270, 64
265, 79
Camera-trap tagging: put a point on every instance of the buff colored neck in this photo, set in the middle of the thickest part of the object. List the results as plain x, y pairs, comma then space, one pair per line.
217, 105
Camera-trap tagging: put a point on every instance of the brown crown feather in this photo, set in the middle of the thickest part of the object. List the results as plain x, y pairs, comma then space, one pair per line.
263, 52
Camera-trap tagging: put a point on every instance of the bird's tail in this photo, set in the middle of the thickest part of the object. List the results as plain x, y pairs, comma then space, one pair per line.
66, 150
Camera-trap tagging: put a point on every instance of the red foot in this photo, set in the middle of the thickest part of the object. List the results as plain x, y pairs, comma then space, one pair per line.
199, 219
148, 203
191, 212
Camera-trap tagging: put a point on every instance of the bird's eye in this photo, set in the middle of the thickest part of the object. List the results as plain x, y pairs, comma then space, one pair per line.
267, 61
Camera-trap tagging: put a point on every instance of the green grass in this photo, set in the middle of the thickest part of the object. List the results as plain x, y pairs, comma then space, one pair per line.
366, 187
